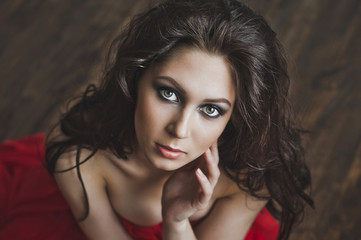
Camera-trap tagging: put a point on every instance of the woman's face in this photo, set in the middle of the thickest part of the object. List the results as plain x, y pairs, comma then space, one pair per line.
183, 106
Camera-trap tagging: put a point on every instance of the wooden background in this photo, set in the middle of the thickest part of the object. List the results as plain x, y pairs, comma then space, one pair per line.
49, 51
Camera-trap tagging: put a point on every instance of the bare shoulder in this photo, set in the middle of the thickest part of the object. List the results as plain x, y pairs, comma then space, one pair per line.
85, 189
233, 212
226, 188
74, 181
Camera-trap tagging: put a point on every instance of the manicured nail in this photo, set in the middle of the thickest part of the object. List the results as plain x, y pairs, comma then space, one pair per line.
200, 173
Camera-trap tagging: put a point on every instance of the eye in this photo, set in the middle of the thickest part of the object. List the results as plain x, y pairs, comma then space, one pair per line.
168, 94
211, 111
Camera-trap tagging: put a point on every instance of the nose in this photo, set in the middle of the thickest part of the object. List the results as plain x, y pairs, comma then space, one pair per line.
180, 125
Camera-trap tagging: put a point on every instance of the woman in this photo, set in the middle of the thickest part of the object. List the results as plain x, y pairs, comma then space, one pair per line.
188, 128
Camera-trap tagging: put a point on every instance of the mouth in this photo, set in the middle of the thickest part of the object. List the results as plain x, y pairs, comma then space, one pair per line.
168, 152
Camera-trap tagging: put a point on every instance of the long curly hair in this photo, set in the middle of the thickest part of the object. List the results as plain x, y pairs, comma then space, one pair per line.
260, 146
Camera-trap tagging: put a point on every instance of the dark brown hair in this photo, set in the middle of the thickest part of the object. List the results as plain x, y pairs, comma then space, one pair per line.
259, 147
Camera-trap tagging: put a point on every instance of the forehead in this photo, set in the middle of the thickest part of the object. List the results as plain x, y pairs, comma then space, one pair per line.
205, 74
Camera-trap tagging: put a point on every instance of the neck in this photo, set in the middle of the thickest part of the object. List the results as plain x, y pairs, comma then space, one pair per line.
141, 168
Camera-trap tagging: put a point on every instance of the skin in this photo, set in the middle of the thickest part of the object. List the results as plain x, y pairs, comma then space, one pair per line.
184, 103
172, 107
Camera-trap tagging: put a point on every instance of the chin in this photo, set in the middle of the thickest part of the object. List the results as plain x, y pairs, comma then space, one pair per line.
168, 164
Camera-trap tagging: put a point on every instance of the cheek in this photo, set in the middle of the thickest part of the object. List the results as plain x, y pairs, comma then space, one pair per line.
142, 118
206, 136
149, 117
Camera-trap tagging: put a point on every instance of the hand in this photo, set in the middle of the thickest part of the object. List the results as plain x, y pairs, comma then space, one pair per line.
190, 188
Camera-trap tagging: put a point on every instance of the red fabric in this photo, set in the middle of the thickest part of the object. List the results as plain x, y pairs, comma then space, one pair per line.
32, 207
264, 227
145, 232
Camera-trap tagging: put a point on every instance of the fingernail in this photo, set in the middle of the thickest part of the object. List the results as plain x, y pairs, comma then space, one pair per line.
200, 173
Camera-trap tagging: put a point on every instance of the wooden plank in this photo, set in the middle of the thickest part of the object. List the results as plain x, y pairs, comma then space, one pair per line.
49, 51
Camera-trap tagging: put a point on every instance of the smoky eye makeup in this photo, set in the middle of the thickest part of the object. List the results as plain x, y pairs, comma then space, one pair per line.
212, 111
166, 93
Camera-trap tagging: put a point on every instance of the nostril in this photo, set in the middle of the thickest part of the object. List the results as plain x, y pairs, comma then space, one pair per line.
180, 124
181, 129
178, 128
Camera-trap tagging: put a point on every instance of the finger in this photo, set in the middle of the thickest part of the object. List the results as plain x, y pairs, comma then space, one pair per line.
214, 151
206, 188
212, 168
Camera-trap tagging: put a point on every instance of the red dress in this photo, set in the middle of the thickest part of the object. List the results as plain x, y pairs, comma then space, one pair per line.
32, 207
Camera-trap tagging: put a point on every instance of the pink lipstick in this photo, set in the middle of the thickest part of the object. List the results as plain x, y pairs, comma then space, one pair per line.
169, 152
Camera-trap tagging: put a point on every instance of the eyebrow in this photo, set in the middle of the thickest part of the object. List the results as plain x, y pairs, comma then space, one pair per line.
183, 92
174, 83
218, 100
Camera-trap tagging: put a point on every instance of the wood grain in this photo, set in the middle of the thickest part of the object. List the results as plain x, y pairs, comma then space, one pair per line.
49, 50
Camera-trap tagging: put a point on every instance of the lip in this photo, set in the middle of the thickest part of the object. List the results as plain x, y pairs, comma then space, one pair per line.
168, 152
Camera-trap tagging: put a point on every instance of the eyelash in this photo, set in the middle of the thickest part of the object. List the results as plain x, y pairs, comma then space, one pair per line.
161, 91
220, 111
162, 95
